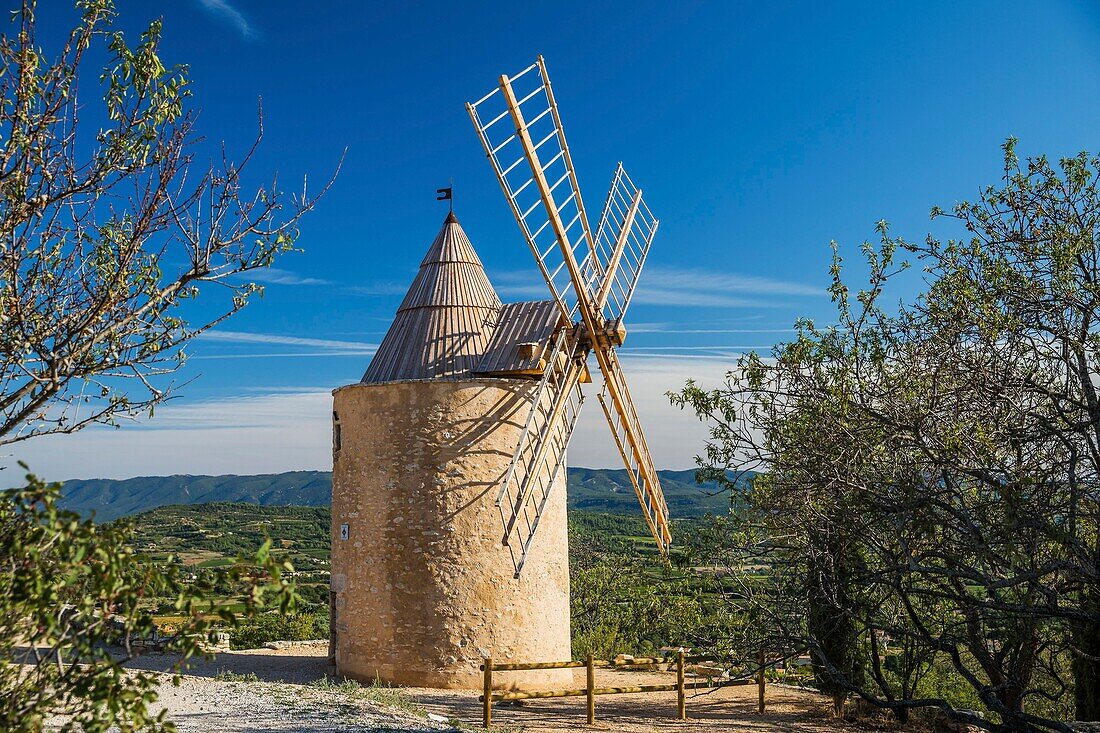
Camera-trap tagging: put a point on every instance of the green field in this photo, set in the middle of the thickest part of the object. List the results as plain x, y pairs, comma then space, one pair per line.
643, 603
213, 535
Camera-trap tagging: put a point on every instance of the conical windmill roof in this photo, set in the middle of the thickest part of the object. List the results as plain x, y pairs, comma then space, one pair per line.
446, 319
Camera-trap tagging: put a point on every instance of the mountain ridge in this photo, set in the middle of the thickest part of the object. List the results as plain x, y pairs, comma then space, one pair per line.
592, 489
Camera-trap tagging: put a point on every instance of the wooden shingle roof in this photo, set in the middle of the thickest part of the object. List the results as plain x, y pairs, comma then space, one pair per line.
520, 339
445, 322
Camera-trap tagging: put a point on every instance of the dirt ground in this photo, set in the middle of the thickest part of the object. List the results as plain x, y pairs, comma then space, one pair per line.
265, 691
723, 709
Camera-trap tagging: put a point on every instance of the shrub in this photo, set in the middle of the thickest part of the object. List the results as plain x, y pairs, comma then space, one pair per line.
277, 626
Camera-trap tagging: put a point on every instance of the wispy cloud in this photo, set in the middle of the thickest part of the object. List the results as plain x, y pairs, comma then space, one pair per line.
262, 433
675, 436
519, 284
264, 389
674, 297
663, 357
244, 337
275, 276
260, 410
674, 329
291, 429
723, 348
670, 286
381, 288
285, 355
229, 13
730, 282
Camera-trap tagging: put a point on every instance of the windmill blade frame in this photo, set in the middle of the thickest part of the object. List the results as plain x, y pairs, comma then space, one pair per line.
589, 285
625, 427
549, 225
540, 452
623, 237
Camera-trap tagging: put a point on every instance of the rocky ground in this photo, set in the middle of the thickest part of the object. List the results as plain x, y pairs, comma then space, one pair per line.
264, 691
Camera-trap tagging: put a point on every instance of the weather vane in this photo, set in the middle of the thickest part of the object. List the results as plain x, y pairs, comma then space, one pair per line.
446, 194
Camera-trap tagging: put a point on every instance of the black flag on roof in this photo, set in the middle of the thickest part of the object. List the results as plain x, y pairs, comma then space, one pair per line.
442, 194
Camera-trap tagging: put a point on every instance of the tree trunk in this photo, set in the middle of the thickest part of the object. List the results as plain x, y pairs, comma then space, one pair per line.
836, 653
1086, 663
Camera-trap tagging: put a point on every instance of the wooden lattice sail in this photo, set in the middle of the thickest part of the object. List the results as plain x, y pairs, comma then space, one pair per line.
591, 277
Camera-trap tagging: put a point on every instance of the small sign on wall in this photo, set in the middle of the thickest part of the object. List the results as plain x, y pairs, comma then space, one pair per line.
344, 531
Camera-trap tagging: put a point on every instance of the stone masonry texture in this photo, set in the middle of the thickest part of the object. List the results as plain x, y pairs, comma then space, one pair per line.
423, 589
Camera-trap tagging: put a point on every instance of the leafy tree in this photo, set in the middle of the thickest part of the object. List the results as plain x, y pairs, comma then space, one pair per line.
73, 592
831, 593
107, 232
275, 626
619, 606
1023, 291
938, 462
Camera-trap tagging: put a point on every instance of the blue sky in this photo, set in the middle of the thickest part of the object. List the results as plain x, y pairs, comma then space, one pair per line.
759, 131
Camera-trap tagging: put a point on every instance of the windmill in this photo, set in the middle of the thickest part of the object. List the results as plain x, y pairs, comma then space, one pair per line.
591, 275
460, 426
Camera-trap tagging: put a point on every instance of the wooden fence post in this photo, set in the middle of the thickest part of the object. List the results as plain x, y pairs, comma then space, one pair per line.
681, 706
760, 683
487, 706
591, 690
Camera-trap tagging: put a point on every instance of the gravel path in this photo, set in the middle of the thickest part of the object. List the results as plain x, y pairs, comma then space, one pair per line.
280, 692
269, 691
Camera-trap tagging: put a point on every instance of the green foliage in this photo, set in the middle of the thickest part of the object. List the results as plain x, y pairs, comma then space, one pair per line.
629, 608
230, 676
624, 600
942, 680
832, 579
108, 233
925, 516
1086, 669
229, 529
277, 626
70, 590
595, 535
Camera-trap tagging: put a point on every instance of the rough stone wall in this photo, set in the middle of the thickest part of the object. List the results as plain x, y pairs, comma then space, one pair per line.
423, 588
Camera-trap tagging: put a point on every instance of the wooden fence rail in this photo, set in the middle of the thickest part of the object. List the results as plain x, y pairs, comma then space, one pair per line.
590, 690
597, 663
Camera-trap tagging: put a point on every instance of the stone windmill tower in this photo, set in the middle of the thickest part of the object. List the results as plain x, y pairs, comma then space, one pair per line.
459, 428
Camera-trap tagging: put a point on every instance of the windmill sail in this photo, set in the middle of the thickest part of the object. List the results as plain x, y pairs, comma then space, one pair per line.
521, 132
618, 408
540, 455
623, 236
593, 276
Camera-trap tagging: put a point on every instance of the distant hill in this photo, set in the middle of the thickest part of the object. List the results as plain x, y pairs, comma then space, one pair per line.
113, 498
591, 489
610, 490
